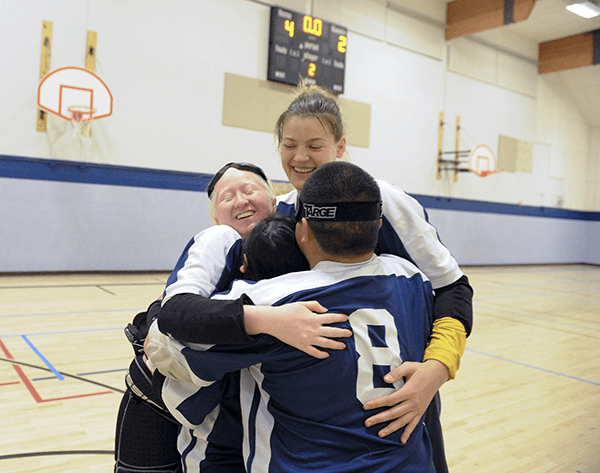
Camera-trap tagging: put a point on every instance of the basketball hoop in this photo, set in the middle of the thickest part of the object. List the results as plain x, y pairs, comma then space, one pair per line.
81, 117
81, 113
79, 96
482, 161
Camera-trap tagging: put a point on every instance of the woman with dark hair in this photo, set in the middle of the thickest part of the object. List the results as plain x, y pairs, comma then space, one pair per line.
271, 249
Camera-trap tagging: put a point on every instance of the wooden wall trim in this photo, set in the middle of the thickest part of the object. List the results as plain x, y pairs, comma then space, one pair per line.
465, 17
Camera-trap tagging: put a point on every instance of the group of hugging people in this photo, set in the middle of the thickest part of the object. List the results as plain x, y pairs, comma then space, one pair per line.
304, 332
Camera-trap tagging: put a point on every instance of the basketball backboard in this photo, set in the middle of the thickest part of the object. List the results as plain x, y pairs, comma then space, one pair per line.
482, 161
75, 93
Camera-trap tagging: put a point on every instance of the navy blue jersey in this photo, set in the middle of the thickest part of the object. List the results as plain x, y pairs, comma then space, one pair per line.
306, 414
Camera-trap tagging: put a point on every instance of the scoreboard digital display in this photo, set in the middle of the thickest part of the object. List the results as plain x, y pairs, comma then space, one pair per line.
303, 46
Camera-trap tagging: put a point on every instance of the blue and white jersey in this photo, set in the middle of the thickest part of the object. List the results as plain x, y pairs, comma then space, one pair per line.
209, 262
405, 232
211, 259
307, 414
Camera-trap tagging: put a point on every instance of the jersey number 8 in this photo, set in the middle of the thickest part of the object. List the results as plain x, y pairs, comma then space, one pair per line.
378, 348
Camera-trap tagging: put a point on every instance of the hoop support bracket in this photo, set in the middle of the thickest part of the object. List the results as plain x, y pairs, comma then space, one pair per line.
90, 51
90, 60
45, 59
460, 156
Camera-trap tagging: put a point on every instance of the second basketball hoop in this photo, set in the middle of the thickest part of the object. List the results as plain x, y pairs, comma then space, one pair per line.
482, 161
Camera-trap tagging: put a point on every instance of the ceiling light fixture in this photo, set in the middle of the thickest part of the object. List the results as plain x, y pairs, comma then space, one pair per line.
585, 8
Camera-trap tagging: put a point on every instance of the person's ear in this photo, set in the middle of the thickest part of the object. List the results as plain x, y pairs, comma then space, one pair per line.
380, 222
305, 231
341, 147
245, 265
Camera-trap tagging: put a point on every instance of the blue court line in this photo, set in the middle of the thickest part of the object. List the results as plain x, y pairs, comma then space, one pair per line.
539, 319
46, 362
83, 374
71, 313
557, 283
533, 367
63, 331
91, 373
538, 294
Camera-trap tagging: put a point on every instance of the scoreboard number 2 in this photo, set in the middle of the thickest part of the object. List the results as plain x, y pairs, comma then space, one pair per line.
341, 46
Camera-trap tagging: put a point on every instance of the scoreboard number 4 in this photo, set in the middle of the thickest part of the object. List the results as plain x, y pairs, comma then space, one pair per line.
290, 27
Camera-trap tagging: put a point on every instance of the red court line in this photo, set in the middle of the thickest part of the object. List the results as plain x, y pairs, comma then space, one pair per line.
5, 350
76, 396
21, 375
27, 382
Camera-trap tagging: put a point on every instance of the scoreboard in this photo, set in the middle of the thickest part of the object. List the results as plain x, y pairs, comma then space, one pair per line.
303, 46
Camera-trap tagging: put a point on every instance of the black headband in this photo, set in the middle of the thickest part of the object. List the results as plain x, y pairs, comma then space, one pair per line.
339, 212
241, 166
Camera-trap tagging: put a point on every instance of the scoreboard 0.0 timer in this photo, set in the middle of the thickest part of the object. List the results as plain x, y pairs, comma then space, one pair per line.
303, 46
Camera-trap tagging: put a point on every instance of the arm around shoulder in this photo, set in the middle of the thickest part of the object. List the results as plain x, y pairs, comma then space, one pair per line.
453, 320
197, 319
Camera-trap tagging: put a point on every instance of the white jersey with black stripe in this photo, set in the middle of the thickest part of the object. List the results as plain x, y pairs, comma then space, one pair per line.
405, 232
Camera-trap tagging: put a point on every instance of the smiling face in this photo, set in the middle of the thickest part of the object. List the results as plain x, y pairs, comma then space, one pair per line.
242, 201
307, 144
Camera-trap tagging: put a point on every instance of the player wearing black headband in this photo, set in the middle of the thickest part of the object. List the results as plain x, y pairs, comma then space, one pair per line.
308, 414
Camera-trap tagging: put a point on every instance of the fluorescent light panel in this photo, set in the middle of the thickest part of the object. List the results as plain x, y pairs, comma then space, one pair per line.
586, 9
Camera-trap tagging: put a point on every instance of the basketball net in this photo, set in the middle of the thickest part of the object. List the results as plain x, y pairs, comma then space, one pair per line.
82, 119
74, 141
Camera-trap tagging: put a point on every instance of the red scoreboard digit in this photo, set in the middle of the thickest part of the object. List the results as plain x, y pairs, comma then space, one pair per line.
303, 46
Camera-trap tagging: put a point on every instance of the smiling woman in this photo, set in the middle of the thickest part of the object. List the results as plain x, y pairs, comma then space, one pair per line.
239, 200
306, 145
310, 133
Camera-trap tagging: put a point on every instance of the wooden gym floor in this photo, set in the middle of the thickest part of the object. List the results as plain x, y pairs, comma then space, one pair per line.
526, 399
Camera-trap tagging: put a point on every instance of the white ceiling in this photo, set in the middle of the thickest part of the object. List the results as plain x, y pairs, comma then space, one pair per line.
550, 20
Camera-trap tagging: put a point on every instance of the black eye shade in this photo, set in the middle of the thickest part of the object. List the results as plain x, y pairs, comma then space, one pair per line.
241, 166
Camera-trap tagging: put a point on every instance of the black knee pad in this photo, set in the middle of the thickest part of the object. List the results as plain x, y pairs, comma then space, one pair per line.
127, 469
146, 439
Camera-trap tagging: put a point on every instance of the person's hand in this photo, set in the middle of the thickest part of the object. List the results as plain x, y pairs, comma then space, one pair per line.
410, 402
302, 325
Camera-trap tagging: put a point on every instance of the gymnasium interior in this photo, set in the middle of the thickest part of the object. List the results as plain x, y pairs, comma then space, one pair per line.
487, 112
